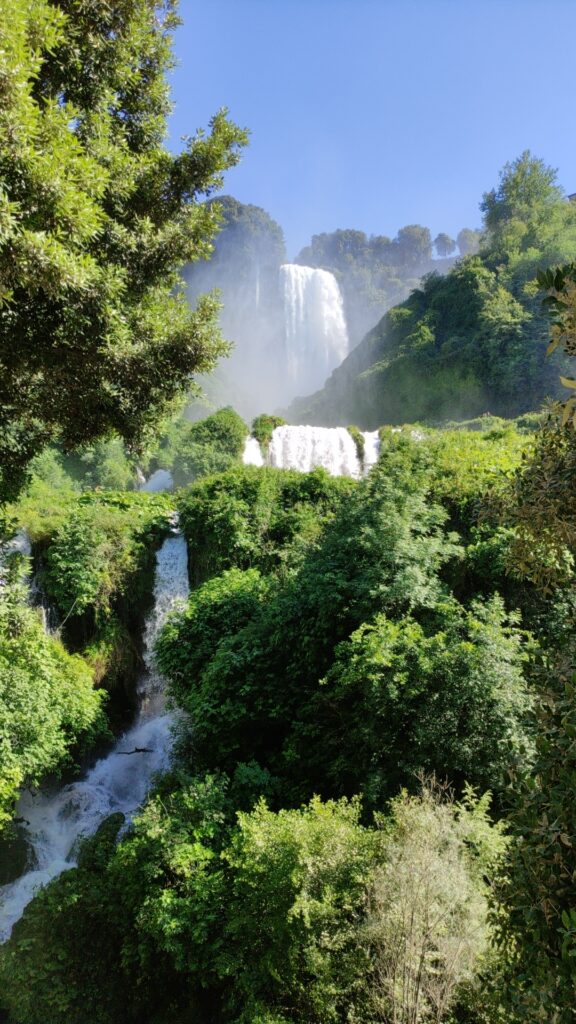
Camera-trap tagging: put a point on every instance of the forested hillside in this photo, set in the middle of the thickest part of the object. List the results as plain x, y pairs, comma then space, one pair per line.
473, 341
376, 272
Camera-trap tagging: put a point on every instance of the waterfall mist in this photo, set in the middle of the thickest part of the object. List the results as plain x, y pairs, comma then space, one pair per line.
289, 333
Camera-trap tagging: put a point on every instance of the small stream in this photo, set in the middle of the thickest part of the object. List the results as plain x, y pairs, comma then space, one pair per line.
55, 821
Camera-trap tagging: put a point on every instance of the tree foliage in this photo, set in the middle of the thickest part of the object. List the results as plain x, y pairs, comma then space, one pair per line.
209, 446
535, 898
47, 700
349, 668
271, 917
96, 218
535, 901
444, 244
426, 922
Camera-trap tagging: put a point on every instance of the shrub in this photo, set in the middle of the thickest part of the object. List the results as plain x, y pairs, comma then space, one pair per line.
209, 446
264, 426
47, 700
260, 517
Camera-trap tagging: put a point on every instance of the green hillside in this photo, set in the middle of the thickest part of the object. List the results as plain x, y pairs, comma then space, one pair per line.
473, 341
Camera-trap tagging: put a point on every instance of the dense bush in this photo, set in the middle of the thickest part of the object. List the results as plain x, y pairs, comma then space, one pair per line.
47, 700
296, 915
98, 547
264, 426
209, 446
446, 697
256, 517
323, 651
467, 465
424, 685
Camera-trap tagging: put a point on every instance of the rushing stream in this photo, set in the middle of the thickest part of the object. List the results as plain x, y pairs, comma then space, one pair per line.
55, 821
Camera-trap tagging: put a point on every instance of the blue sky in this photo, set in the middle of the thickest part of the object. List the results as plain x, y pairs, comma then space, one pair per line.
373, 114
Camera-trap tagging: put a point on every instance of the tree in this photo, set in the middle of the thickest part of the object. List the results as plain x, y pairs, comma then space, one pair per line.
444, 245
534, 905
414, 245
468, 241
399, 699
426, 923
528, 210
96, 217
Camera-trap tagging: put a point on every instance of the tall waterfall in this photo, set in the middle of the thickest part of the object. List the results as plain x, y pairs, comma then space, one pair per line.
315, 326
307, 448
118, 782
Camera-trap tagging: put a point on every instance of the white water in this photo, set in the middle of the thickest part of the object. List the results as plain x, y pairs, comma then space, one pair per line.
117, 782
252, 453
316, 337
371, 449
307, 448
161, 480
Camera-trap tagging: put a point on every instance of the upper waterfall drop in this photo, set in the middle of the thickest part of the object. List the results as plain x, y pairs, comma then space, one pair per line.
316, 336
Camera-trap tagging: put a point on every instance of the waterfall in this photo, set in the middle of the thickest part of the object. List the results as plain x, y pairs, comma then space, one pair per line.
371, 449
54, 822
252, 455
161, 480
307, 448
316, 337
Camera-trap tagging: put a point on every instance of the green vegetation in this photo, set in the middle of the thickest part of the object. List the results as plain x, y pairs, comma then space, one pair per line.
341, 643
96, 569
358, 438
97, 218
472, 341
256, 517
534, 902
209, 446
264, 426
96, 551
47, 700
274, 667
369, 812
273, 917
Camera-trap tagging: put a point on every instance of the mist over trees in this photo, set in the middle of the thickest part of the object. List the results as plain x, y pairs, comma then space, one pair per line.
373, 272
248, 251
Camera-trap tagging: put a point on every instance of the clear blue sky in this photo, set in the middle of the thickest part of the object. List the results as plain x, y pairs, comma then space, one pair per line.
372, 114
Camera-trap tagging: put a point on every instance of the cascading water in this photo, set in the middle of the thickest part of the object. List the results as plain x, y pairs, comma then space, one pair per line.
307, 448
161, 480
118, 782
252, 453
371, 449
315, 326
